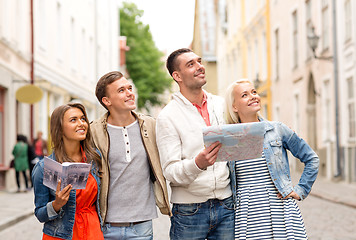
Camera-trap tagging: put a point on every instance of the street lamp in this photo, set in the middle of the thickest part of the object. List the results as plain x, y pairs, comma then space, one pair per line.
313, 41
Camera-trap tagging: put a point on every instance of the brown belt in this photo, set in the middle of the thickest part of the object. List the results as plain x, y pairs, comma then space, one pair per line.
124, 224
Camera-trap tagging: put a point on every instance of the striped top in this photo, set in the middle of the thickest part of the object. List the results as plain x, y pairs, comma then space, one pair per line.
260, 214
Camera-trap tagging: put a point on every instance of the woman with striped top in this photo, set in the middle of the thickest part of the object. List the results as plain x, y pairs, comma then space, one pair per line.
265, 197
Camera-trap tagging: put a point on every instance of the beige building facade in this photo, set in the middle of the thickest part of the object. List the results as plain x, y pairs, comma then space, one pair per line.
75, 42
243, 49
314, 93
15, 58
315, 96
204, 41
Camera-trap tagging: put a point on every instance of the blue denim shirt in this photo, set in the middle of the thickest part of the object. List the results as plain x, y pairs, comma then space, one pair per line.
277, 139
56, 224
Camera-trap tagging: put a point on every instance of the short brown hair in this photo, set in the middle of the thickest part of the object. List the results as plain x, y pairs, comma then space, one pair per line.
171, 62
103, 82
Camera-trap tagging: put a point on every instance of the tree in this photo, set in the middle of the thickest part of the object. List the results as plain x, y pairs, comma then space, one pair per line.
143, 60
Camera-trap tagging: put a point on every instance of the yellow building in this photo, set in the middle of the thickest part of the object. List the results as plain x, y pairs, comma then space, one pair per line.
204, 41
243, 46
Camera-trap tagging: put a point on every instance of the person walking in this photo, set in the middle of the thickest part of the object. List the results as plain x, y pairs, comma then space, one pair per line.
264, 193
20, 152
202, 199
133, 182
68, 213
31, 157
40, 145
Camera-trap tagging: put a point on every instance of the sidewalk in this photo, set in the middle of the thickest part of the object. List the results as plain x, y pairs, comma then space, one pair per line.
15, 207
337, 192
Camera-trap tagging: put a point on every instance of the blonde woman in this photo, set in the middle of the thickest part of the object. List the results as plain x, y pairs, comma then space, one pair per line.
262, 187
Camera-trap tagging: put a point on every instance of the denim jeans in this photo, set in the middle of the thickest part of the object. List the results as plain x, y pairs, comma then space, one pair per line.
141, 231
213, 219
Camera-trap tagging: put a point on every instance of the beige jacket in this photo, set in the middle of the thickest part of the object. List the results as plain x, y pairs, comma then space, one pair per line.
101, 141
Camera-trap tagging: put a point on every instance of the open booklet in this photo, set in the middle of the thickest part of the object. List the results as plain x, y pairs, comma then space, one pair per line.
73, 173
239, 141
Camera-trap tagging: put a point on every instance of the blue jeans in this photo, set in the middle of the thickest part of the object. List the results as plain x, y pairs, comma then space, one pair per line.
141, 231
213, 219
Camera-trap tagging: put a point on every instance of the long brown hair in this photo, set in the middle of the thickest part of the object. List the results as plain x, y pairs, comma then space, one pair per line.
57, 136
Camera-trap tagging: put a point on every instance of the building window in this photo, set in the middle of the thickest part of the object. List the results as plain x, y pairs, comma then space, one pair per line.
326, 111
42, 24
325, 25
348, 20
59, 33
2, 126
91, 61
295, 39
250, 64
223, 12
309, 26
83, 54
256, 60
296, 113
276, 36
73, 45
264, 57
239, 66
276, 114
351, 108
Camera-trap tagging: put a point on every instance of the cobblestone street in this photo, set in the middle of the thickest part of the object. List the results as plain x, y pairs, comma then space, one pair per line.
324, 220
31, 229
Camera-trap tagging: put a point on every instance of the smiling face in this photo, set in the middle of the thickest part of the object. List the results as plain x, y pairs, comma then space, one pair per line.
191, 72
120, 96
246, 101
75, 125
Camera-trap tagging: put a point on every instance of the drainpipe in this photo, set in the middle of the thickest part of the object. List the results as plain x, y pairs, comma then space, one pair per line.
32, 68
336, 92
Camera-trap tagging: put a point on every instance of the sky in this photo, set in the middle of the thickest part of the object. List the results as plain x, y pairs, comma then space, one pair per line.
171, 22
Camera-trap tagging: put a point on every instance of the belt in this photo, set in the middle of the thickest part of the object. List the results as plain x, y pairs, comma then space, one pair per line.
124, 224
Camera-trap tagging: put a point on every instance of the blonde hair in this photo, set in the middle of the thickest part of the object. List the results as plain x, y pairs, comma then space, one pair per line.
230, 115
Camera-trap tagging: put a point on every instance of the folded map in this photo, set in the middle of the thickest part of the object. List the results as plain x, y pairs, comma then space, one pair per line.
239, 141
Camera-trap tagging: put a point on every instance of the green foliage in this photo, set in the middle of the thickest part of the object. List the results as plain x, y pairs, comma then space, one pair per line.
143, 60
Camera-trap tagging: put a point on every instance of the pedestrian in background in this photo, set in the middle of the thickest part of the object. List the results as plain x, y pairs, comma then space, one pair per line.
133, 183
20, 152
201, 194
264, 193
40, 145
67, 213
31, 157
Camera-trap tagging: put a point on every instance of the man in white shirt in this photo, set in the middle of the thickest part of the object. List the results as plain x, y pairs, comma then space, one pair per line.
201, 195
